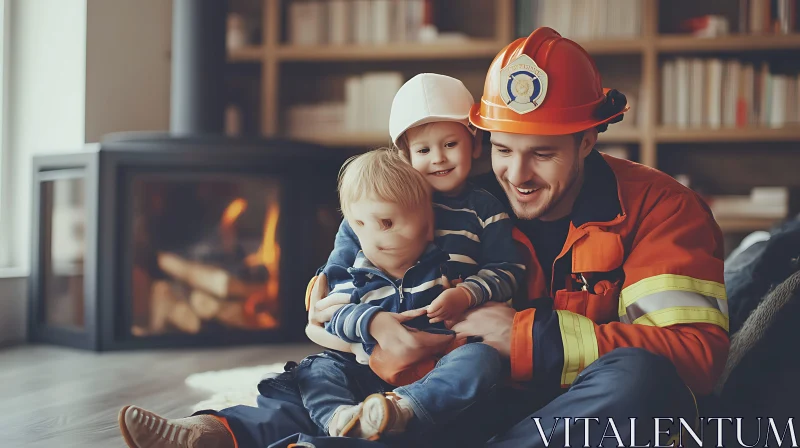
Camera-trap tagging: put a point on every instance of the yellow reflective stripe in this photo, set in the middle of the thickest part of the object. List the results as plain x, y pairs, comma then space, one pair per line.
671, 282
580, 344
684, 315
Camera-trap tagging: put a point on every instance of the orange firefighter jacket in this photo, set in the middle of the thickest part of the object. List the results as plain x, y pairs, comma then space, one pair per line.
642, 266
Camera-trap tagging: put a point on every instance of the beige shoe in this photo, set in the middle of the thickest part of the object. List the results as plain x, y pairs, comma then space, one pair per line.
144, 429
380, 415
343, 420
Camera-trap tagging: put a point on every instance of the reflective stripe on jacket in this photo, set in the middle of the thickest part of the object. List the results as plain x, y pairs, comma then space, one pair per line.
642, 266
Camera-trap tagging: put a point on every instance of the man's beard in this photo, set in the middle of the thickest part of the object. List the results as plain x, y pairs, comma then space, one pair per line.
525, 212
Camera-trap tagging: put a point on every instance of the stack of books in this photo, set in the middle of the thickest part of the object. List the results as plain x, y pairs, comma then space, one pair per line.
360, 22
762, 203
581, 19
767, 16
364, 110
717, 93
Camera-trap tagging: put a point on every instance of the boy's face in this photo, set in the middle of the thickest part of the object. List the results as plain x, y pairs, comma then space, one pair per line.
391, 237
443, 153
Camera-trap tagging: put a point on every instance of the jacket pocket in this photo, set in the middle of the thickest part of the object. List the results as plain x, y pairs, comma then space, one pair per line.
601, 306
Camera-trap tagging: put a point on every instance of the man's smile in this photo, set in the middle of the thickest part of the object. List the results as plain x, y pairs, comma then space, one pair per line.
524, 193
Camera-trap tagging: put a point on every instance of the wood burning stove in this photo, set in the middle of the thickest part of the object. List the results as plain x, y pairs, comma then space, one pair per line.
161, 241
189, 238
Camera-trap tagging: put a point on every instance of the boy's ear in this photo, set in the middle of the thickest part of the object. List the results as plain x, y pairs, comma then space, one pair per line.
477, 144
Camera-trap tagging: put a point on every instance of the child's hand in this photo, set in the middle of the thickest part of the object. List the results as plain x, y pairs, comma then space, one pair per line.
449, 305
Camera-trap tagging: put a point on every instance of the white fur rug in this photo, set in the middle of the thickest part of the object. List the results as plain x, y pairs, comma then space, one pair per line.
230, 387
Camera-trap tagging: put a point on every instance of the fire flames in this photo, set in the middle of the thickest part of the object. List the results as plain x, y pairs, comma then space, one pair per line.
268, 255
222, 279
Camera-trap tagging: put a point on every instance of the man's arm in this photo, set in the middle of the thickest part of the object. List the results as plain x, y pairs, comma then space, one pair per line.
345, 249
672, 303
343, 255
319, 336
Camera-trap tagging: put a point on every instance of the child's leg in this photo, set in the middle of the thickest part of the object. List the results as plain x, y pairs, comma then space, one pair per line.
459, 380
328, 382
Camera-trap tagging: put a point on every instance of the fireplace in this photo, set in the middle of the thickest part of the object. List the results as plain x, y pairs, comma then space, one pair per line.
186, 238
148, 241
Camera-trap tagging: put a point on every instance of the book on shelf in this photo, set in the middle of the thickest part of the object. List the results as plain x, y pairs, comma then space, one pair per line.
581, 19
761, 203
715, 93
360, 22
767, 16
364, 110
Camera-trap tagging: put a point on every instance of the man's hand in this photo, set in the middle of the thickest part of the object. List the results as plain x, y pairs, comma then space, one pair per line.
492, 321
320, 307
450, 304
320, 310
406, 345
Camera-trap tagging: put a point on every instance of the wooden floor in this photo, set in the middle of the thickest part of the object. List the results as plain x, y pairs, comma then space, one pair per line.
55, 397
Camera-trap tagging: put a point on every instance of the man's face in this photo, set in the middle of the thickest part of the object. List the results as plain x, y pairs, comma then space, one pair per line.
443, 153
541, 174
392, 238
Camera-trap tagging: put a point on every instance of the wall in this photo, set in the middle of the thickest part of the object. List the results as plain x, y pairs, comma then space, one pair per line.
127, 66
78, 69
46, 97
13, 318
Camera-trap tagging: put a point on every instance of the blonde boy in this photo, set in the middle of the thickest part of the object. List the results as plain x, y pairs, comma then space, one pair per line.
387, 203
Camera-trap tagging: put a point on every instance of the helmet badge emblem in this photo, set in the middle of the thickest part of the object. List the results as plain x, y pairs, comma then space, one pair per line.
523, 85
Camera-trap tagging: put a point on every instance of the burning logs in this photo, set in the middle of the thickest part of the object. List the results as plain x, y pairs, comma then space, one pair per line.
211, 279
197, 292
227, 276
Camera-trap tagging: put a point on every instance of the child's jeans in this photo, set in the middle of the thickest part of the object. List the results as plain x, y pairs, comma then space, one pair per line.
460, 379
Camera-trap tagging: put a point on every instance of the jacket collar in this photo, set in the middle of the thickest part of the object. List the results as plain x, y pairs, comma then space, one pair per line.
598, 200
433, 255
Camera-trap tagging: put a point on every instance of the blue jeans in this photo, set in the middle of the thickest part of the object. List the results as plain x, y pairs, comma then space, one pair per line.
624, 383
459, 380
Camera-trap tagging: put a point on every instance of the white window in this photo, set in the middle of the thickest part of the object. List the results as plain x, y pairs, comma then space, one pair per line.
5, 217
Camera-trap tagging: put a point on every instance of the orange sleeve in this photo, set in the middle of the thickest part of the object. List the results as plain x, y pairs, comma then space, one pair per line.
698, 351
672, 302
674, 292
522, 346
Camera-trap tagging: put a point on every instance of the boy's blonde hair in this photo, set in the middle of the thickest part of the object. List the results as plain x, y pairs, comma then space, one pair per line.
384, 175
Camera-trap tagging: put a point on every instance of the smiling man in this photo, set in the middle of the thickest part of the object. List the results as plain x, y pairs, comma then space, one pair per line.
625, 303
623, 316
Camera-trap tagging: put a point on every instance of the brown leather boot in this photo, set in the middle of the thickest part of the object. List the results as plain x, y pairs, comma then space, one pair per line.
144, 429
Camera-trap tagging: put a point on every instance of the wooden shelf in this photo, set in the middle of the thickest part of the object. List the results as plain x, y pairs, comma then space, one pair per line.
730, 225
733, 43
375, 139
470, 49
246, 54
480, 48
613, 46
620, 135
361, 140
676, 135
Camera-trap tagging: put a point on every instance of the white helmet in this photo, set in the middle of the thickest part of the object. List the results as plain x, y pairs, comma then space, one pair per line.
427, 98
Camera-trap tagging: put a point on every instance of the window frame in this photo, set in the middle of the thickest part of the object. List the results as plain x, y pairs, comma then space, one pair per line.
6, 260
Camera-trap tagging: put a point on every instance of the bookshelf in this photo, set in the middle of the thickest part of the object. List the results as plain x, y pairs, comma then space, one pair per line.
490, 25
472, 49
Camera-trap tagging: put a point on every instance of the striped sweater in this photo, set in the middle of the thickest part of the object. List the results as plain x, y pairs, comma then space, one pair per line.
371, 291
474, 229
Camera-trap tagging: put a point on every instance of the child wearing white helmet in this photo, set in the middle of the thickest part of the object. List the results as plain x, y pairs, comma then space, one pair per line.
429, 126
